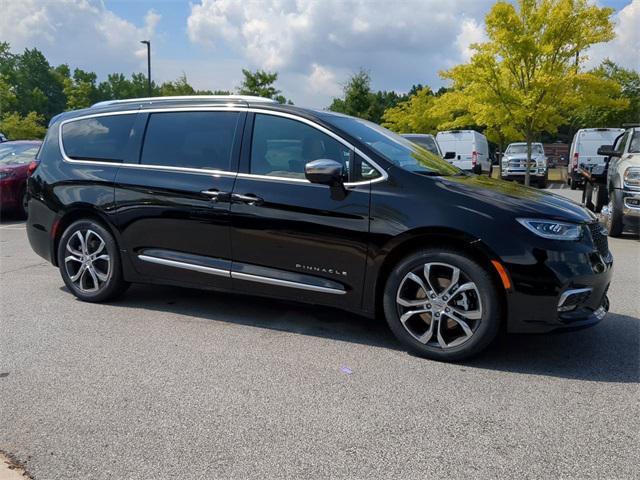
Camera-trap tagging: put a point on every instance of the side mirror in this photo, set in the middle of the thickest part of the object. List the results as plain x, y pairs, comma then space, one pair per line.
450, 155
608, 151
324, 171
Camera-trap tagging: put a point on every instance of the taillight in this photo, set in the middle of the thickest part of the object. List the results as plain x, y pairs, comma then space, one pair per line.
32, 167
575, 161
474, 158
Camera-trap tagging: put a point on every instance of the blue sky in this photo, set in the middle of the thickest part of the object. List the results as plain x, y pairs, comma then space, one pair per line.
314, 45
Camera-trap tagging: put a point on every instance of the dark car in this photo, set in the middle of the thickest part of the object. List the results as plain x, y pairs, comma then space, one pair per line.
246, 195
15, 158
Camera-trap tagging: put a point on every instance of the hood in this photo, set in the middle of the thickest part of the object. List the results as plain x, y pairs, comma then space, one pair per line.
488, 194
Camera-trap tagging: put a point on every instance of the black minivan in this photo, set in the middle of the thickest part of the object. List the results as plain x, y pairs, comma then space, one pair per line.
246, 195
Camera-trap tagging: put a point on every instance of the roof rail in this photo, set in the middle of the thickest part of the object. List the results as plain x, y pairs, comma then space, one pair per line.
246, 98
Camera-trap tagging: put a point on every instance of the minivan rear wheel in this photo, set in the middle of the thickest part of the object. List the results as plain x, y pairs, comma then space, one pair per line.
89, 262
441, 304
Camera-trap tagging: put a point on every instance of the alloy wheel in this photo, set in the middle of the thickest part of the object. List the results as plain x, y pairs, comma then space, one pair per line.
87, 263
439, 305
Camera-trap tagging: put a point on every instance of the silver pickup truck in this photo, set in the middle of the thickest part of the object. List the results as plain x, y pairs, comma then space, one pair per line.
619, 199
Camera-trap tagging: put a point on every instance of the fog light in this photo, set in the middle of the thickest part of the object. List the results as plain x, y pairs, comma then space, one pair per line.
632, 202
572, 299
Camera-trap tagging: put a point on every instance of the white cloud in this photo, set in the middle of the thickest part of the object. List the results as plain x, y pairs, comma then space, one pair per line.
470, 33
625, 48
82, 33
399, 42
322, 79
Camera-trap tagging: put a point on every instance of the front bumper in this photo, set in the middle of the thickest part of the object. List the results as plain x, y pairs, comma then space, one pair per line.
519, 174
539, 283
631, 203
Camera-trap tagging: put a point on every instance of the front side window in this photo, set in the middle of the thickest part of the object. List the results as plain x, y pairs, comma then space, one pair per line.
620, 144
281, 147
102, 138
190, 139
396, 149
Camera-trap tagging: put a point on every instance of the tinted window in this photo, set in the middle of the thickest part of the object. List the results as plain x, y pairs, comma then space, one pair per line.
396, 149
190, 139
98, 138
427, 142
281, 147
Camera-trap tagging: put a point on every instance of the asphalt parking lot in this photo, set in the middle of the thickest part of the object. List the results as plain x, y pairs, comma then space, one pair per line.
173, 383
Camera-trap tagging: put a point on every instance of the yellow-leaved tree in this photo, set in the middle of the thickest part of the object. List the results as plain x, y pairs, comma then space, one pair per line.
526, 78
412, 115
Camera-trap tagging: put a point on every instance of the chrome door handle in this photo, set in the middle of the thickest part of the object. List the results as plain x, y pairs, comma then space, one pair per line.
248, 199
216, 195
211, 193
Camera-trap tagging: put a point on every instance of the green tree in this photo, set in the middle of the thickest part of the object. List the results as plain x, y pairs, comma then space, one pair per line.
37, 87
527, 75
261, 84
624, 106
361, 101
17, 127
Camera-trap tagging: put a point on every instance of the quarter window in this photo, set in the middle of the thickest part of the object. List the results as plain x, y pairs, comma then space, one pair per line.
281, 147
190, 139
98, 138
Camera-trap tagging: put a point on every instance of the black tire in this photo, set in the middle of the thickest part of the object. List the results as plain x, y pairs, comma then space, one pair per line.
600, 197
484, 330
110, 270
613, 221
542, 183
22, 210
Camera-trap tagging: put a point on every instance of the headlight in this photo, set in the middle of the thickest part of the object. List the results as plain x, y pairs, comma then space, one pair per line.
552, 229
4, 175
632, 177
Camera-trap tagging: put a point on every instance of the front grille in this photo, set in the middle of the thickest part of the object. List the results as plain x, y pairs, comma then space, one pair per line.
599, 237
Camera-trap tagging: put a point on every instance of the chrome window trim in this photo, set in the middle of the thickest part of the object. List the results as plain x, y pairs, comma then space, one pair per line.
187, 266
199, 171
238, 275
383, 174
285, 283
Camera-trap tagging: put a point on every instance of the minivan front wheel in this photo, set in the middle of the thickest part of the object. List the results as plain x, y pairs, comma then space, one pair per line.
89, 262
442, 304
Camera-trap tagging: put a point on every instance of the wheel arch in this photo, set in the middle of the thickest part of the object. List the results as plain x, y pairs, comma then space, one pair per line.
448, 238
71, 215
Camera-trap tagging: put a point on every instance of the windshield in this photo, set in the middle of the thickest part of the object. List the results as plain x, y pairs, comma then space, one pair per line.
522, 148
17, 153
398, 150
427, 142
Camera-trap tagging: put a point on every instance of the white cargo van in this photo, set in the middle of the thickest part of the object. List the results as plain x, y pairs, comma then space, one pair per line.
465, 149
584, 151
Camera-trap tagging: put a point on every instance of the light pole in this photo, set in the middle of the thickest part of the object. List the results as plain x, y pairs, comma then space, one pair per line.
148, 44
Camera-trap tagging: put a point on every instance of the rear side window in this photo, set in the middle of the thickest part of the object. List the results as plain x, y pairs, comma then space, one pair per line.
190, 139
98, 138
